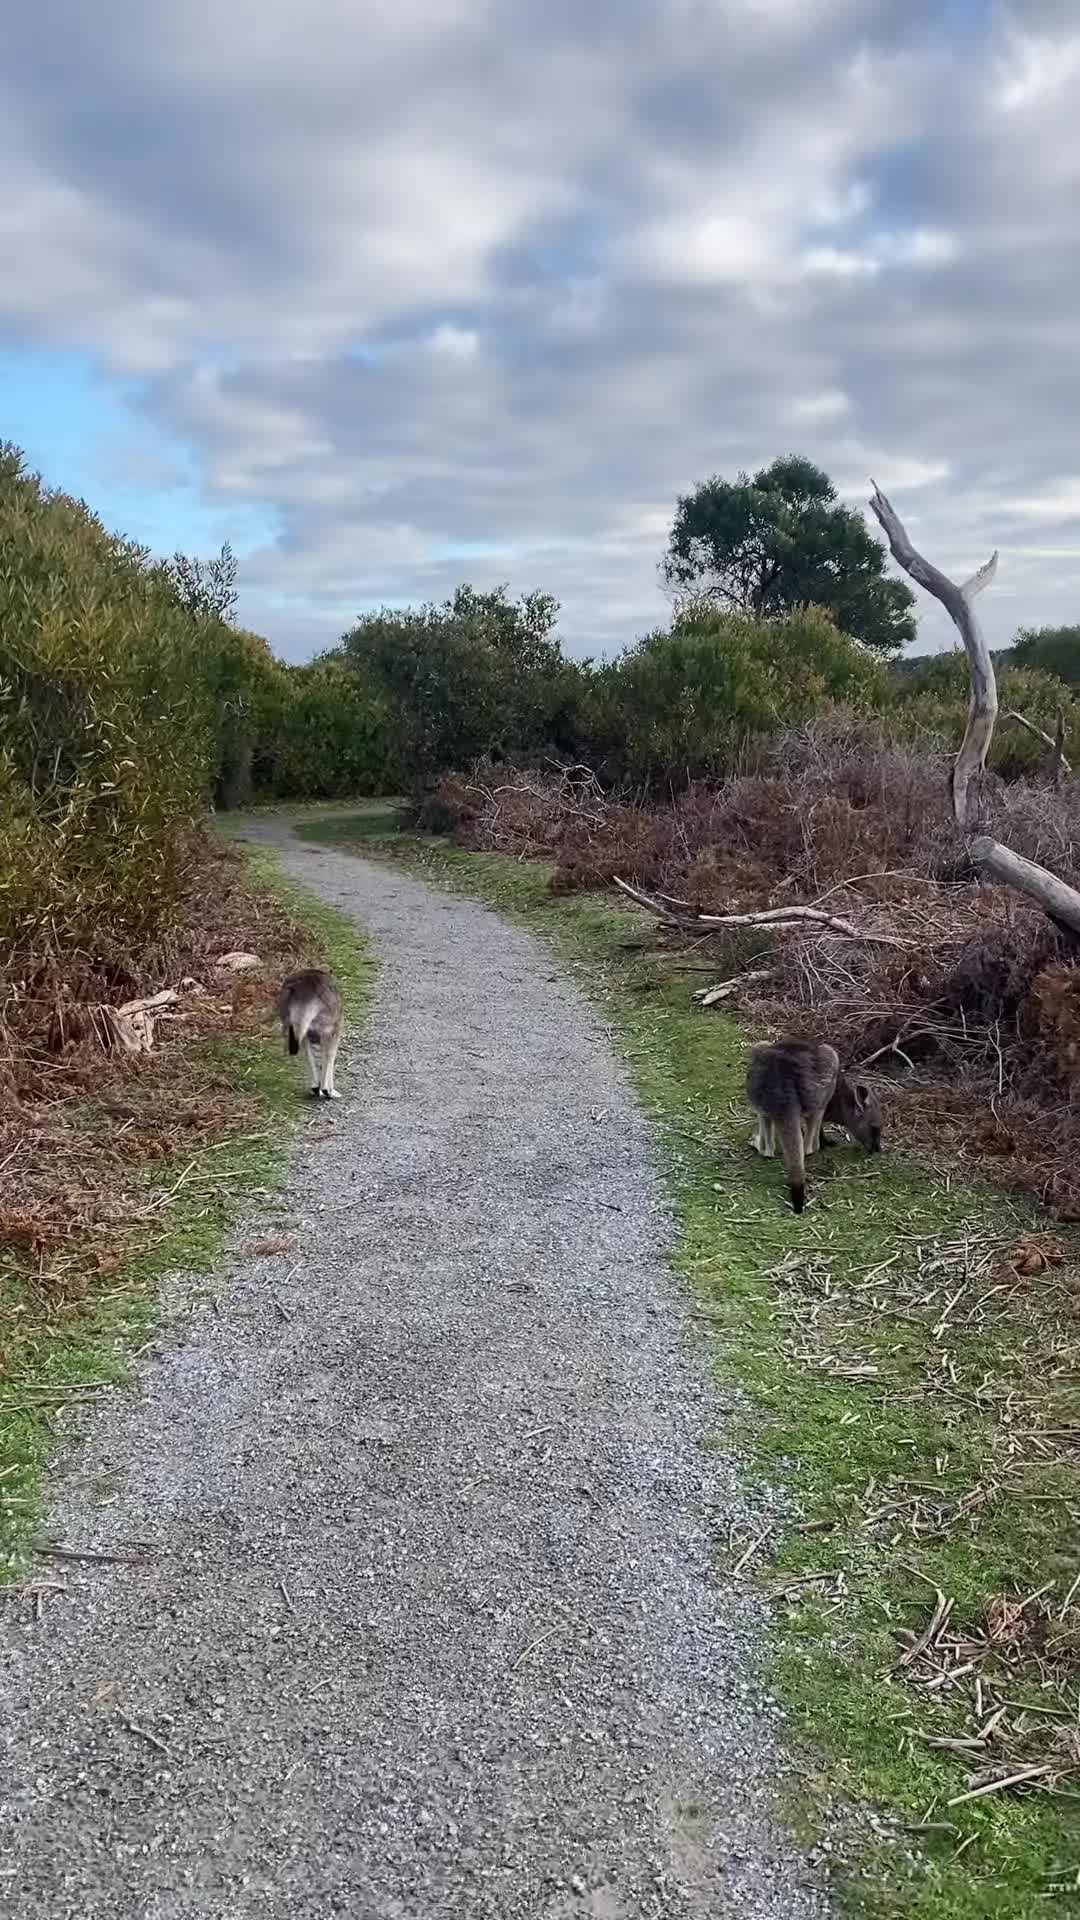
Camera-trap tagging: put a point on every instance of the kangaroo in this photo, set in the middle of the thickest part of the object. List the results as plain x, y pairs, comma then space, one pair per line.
794, 1088
309, 1008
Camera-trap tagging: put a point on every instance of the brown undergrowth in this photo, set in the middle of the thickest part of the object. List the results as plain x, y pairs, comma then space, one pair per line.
82, 1122
962, 1000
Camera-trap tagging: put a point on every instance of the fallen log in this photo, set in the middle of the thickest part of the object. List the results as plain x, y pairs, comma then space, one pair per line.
1060, 901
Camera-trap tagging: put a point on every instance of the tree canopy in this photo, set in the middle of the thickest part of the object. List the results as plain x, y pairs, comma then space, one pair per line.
766, 545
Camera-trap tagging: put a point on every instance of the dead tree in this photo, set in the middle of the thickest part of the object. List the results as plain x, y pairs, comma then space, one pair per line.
983, 705
1060, 901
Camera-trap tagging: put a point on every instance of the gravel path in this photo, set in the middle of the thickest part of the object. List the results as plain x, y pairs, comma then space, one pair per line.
428, 1627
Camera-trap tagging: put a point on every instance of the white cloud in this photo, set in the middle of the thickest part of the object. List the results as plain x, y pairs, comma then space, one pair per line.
1058, 503
820, 407
455, 343
843, 263
492, 277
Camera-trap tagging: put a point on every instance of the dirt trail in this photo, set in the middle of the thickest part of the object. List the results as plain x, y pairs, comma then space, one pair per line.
428, 1626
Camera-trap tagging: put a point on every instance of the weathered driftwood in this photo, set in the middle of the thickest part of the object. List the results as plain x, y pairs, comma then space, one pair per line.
681, 914
1060, 901
983, 706
723, 990
1058, 763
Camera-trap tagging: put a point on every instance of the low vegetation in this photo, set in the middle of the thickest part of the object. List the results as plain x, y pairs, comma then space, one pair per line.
904, 1362
132, 1095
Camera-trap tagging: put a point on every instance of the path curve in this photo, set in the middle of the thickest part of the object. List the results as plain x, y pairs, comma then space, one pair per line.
429, 1629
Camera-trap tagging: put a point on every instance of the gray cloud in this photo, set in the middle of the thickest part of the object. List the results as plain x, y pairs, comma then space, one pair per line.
508, 277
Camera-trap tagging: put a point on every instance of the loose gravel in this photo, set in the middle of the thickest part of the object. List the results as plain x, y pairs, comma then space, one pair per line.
419, 1613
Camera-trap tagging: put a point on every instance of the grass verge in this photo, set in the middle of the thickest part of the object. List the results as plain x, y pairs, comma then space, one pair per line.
76, 1311
909, 1355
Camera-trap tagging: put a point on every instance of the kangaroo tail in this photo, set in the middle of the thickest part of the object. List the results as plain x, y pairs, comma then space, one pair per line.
297, 1024
790, 1135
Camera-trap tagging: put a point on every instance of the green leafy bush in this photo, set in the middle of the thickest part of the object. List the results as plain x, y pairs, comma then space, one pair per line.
106, 730
691, 702
1054, 650
324, 732
479, 676
929, 708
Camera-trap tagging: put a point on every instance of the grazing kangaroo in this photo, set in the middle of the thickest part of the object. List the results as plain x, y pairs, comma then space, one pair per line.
309, 1008
794, 1088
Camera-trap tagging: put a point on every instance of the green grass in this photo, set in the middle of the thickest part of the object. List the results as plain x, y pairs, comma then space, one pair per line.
944, 1413
62, 1355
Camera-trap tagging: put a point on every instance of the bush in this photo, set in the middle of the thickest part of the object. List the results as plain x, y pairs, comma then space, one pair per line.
1054, 650
693, 702
929, 709
479, 676
243, 688
106, 735
324, 734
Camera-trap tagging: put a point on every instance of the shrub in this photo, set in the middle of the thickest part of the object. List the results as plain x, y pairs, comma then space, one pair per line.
693, 702
106, 739
325, 733
480, 675
929, 708
243, 689
1054, 650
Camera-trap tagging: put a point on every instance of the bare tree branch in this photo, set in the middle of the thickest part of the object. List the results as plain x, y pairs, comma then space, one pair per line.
983, 706
1059, 763
776, 918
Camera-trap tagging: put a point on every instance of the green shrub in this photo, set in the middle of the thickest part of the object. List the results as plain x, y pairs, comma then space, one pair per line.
688, 703
929, 709
106, 737
324, 733
477, 677
1054, 650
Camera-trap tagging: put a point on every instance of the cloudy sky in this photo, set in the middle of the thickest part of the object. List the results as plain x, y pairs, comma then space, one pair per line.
397, 295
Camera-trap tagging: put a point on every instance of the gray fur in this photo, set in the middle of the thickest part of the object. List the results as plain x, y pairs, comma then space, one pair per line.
309, 1008
796, 1086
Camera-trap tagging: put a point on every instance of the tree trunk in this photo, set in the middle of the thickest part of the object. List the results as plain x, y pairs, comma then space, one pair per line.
1060, 901
982, 710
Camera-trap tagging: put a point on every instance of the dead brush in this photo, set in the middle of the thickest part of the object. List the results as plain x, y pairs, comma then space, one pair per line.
971, 1016
78, 1118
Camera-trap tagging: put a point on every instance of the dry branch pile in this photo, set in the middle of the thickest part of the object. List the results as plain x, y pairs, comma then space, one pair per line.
962, 995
